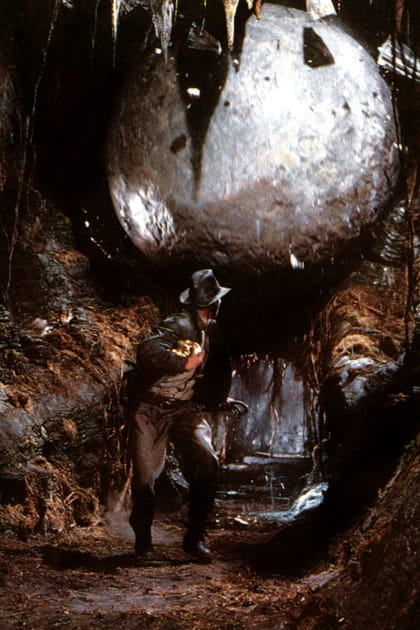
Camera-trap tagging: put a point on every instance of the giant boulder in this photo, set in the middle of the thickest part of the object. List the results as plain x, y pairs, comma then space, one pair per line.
274, 159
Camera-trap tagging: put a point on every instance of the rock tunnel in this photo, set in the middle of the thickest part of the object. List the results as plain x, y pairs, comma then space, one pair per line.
133, 153
285, 229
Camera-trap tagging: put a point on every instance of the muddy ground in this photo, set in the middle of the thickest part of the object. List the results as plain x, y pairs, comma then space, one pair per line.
365, 579
89, 579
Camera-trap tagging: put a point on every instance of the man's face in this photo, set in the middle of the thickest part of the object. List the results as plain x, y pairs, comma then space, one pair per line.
209, 314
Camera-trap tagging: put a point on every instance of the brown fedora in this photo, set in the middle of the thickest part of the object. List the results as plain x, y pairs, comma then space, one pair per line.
204, 289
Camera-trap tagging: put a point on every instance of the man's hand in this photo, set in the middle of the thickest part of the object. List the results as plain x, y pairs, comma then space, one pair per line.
195, 358
234, 408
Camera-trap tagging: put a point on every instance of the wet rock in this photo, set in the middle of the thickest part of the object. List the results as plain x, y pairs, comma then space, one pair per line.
62, 352
366, 351
275, 158
275, 419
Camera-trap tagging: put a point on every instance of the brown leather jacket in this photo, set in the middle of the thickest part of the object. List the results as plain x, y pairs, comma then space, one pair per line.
163, 354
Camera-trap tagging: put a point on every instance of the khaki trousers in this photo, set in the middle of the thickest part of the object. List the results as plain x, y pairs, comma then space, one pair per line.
184, 425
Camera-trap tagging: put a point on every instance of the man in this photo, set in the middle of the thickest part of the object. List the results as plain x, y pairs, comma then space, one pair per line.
168, 364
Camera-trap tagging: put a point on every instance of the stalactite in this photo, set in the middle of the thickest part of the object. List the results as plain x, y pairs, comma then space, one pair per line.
230, 13
116, 6
162, 18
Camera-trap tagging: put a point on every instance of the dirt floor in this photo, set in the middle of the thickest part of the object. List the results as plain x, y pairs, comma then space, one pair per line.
90, 579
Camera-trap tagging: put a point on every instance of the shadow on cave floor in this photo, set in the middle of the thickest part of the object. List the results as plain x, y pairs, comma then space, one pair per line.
89, 578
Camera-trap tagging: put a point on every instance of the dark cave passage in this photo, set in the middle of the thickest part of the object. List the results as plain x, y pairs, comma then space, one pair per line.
266, 453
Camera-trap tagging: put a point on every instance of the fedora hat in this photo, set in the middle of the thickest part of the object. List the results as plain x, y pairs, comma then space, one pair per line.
204, 289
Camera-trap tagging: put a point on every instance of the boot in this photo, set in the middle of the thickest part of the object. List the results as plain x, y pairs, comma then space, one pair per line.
144, 549
202, 494
194, 545
141, 519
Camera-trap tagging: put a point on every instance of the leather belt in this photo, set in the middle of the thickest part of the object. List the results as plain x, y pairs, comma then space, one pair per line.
160, 401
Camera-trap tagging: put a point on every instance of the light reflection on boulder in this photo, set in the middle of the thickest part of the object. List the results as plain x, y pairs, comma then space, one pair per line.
271, 160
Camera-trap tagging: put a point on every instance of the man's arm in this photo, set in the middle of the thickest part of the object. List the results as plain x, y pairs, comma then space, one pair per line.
170, 348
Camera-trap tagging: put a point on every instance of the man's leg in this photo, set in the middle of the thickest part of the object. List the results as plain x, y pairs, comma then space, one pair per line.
191, 435
149, 439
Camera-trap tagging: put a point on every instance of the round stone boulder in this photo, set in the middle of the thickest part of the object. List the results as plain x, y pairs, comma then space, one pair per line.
273, 158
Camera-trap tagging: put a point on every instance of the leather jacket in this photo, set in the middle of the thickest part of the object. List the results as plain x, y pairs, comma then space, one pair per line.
163, 354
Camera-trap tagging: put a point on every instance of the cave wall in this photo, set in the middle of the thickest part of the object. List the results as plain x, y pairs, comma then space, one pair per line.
66, 332
63, 354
